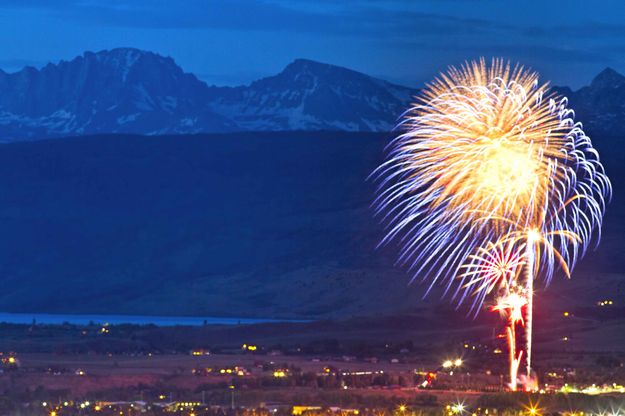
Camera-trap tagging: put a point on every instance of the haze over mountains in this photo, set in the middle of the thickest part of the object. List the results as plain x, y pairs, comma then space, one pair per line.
128, 90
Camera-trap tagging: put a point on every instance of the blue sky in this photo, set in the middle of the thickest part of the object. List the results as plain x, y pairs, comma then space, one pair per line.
229, 42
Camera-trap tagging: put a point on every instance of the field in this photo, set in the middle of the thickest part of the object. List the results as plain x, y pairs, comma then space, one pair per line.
113, 361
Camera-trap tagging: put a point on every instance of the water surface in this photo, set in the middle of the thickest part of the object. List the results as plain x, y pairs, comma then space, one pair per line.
45, 318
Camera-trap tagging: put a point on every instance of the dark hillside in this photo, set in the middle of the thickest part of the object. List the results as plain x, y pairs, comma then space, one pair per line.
253, 224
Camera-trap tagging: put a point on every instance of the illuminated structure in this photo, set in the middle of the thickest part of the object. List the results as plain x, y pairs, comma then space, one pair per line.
491, 183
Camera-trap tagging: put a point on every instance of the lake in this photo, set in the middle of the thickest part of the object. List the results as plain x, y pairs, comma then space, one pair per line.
44, 318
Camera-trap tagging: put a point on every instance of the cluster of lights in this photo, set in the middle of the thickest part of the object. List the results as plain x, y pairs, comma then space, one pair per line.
460, 408
455, 409
249, 347
605, 303
11, 360
594, 389
188, 404
299, 410
617, 412
239, 371
452, 363
360, 373
82, 405
280, 373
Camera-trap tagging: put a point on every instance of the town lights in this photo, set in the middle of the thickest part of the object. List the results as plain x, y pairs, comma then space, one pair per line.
452, 363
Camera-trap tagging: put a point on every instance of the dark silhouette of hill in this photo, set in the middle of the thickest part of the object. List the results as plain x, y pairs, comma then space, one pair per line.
246, 224
251, 224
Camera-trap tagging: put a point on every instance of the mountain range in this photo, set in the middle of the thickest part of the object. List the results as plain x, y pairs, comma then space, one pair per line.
245, 224
132, 91
127, 90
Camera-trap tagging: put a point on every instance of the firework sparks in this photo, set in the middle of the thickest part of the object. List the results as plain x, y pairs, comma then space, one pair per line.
511, 306
495, 266
488, 154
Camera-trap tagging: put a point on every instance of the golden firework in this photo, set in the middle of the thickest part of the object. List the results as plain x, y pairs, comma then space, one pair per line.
490, 138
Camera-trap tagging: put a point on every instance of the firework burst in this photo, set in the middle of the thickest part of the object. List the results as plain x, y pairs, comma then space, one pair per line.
490, 175
495, 266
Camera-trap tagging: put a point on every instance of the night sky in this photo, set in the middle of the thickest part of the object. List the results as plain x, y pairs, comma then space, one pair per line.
229, 42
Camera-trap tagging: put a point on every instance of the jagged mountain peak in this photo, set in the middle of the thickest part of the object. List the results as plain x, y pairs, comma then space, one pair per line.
124, 61
125, 56
129, 90
123, 51
608, 78
123, 90
601, 105
324, 72
304, 65
309, 95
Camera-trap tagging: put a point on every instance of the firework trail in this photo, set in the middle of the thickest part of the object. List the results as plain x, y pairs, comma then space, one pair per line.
497, 267
529, 293
511, 306
490, 165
